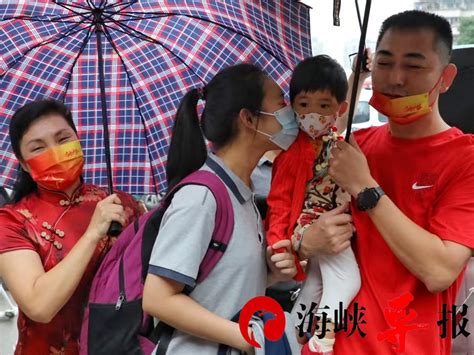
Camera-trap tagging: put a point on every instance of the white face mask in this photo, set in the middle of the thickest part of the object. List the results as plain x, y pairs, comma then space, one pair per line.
314, 124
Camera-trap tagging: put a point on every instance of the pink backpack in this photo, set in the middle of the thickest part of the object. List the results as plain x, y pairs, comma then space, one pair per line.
114, 322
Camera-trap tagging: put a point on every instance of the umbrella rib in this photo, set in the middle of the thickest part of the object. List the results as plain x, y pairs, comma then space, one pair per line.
81, 14
134, 15
89, 34
102, 4
117, 11
135, 95
218, 25
131, 17
40, 19
124, 6
147, 38
51, 40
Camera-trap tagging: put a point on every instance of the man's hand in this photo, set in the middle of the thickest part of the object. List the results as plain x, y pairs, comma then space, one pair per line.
329, 234
364, 74
349, 168
341, 122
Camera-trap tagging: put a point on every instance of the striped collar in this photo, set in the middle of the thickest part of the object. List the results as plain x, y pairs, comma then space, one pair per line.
241, 191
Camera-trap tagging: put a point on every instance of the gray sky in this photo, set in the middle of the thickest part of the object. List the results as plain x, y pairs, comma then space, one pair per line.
337, 41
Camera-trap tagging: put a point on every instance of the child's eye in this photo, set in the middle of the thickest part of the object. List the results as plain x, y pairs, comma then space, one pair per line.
303, 104
325, 106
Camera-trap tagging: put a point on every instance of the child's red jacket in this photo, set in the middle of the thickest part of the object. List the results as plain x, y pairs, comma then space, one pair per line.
292, 169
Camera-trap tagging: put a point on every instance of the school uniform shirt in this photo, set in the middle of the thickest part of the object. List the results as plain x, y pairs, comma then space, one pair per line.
431, 180
262, 176
184, 237
50, 223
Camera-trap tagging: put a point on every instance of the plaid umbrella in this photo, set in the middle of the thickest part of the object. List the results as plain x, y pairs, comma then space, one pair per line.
123, 66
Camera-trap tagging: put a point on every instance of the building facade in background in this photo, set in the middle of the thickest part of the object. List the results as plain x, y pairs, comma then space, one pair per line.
452, 10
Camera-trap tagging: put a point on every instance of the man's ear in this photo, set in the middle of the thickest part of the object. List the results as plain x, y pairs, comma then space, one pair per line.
247, 119
448, 76
343, 108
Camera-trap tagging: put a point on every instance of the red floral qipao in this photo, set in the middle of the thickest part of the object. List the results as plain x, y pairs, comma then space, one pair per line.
50, 224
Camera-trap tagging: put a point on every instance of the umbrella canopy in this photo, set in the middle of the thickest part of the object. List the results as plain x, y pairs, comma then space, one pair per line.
152, 52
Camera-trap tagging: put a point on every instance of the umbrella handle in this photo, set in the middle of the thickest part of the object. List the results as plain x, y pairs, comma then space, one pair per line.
115, 229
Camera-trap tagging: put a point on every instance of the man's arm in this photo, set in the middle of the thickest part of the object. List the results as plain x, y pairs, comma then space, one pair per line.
341, 123
434, 261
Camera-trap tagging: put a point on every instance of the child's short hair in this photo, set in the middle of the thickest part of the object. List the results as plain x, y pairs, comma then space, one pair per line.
319, 73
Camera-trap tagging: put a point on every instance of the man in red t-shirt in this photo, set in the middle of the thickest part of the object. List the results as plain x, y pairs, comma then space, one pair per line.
412, 183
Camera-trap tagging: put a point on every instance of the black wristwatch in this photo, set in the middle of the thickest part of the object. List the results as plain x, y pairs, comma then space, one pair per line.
369, 197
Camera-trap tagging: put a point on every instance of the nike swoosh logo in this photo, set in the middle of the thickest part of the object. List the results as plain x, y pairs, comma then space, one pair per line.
419, 187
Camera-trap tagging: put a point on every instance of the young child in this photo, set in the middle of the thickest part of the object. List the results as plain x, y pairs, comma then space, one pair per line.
302, 190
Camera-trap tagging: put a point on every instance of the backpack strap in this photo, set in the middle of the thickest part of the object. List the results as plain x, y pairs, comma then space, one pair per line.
224, 221
223, 229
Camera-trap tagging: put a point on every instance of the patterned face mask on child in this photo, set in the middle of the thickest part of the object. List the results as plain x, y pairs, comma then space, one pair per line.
314, 124
287, 135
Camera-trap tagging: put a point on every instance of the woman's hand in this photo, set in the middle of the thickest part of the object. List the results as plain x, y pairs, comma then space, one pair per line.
282, 265
108, 210
246, 347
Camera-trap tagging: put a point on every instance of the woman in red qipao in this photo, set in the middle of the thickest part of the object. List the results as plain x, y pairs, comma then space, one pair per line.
53, 234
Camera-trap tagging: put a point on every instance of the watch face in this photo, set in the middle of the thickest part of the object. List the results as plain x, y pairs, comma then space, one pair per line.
372, 198
367, 199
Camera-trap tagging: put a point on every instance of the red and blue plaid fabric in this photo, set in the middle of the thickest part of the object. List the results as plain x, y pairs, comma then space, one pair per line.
154, 52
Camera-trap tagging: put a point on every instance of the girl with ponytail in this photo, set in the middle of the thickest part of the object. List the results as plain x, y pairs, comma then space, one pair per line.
244, 116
